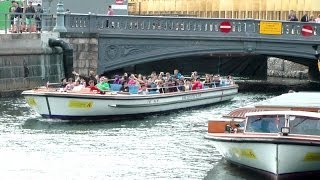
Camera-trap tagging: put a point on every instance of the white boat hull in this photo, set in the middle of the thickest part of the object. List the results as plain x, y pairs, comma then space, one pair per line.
278, 159
71, 105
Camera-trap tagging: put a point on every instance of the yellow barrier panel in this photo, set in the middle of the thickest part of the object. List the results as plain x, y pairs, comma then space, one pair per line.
270, 28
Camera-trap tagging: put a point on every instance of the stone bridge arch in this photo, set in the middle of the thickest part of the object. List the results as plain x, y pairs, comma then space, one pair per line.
117, 52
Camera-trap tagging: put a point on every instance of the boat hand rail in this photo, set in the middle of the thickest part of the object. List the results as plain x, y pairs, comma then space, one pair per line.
177, 88
133, 89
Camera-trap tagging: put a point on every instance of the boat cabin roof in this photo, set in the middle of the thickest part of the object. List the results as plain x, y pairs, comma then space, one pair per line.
296, 99
293, 113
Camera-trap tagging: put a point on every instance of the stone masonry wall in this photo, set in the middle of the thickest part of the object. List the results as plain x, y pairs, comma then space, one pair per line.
85, 52
286, 69
27, 65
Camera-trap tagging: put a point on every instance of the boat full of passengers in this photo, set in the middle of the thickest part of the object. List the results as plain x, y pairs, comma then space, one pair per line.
126, 99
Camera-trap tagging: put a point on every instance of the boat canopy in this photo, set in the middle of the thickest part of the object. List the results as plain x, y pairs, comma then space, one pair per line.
296, 99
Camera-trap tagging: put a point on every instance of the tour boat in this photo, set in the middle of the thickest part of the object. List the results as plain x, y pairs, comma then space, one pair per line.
278, 142
88, 105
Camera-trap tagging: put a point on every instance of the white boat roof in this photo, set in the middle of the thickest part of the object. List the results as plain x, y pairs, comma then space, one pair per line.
294, 113
296, 99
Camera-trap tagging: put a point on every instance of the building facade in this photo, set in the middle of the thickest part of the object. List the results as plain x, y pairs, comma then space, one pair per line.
257, 9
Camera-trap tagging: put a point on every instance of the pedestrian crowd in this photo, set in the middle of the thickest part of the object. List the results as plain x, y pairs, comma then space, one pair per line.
25, 19
305, 18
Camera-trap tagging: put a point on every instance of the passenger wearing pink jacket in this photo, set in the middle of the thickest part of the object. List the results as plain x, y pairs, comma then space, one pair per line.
110, 11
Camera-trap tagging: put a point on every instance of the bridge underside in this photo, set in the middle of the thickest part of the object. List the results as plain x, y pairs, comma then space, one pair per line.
253, 67
238, 56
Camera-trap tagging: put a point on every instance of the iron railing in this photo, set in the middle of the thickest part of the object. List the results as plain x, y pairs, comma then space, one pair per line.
102, 24
175, 26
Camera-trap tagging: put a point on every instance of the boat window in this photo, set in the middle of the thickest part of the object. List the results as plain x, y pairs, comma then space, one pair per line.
305, 125
265, 124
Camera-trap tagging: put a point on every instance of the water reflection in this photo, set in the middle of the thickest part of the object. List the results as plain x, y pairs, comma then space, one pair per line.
225, 170
51, 124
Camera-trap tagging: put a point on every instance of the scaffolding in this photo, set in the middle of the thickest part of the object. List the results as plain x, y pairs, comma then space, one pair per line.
238, 9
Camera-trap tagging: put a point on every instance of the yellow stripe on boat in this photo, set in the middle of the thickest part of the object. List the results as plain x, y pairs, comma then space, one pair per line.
80, 104
31, 101
248, 153
312, 156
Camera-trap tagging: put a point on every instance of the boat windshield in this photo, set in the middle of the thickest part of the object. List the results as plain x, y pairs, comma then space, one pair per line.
304, 125
265, 123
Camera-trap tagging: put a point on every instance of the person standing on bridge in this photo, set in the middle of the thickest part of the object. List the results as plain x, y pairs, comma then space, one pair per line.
17, 18
318, 19
11, 11
311, 19
39, 12
110, 11
305, 18
292, 16
30, 11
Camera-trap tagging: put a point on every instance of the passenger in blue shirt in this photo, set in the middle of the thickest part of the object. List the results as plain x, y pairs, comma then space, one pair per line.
176, 74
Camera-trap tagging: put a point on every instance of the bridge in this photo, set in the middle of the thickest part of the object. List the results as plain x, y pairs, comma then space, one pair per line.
130, 40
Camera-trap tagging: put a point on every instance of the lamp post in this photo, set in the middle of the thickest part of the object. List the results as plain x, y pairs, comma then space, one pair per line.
46, 18
60, 18
49, 7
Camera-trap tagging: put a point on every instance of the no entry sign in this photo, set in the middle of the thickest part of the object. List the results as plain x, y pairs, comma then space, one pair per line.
120, 2
307, 30
225, 27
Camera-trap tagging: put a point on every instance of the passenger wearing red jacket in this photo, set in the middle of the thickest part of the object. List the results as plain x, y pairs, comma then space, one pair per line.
93, 87
197, 84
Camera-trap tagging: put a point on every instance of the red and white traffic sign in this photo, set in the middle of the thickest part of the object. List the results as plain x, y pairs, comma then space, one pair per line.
307, 30
119, 2
225, 27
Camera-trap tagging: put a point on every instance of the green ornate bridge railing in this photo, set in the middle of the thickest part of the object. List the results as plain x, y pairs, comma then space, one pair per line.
90, 23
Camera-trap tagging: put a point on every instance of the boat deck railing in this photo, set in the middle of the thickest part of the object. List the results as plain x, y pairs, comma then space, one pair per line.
134, 89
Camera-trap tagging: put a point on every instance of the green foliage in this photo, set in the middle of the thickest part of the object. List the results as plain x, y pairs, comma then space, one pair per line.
4, 8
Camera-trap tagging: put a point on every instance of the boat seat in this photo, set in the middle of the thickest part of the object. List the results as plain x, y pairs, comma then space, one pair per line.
153, 92
85, 90
223, 83
133, 89
115, 87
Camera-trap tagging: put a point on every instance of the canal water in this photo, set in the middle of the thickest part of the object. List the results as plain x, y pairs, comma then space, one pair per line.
159, 146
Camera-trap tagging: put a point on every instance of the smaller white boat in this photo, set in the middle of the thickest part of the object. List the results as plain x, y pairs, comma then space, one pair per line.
277, 142
52, 103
